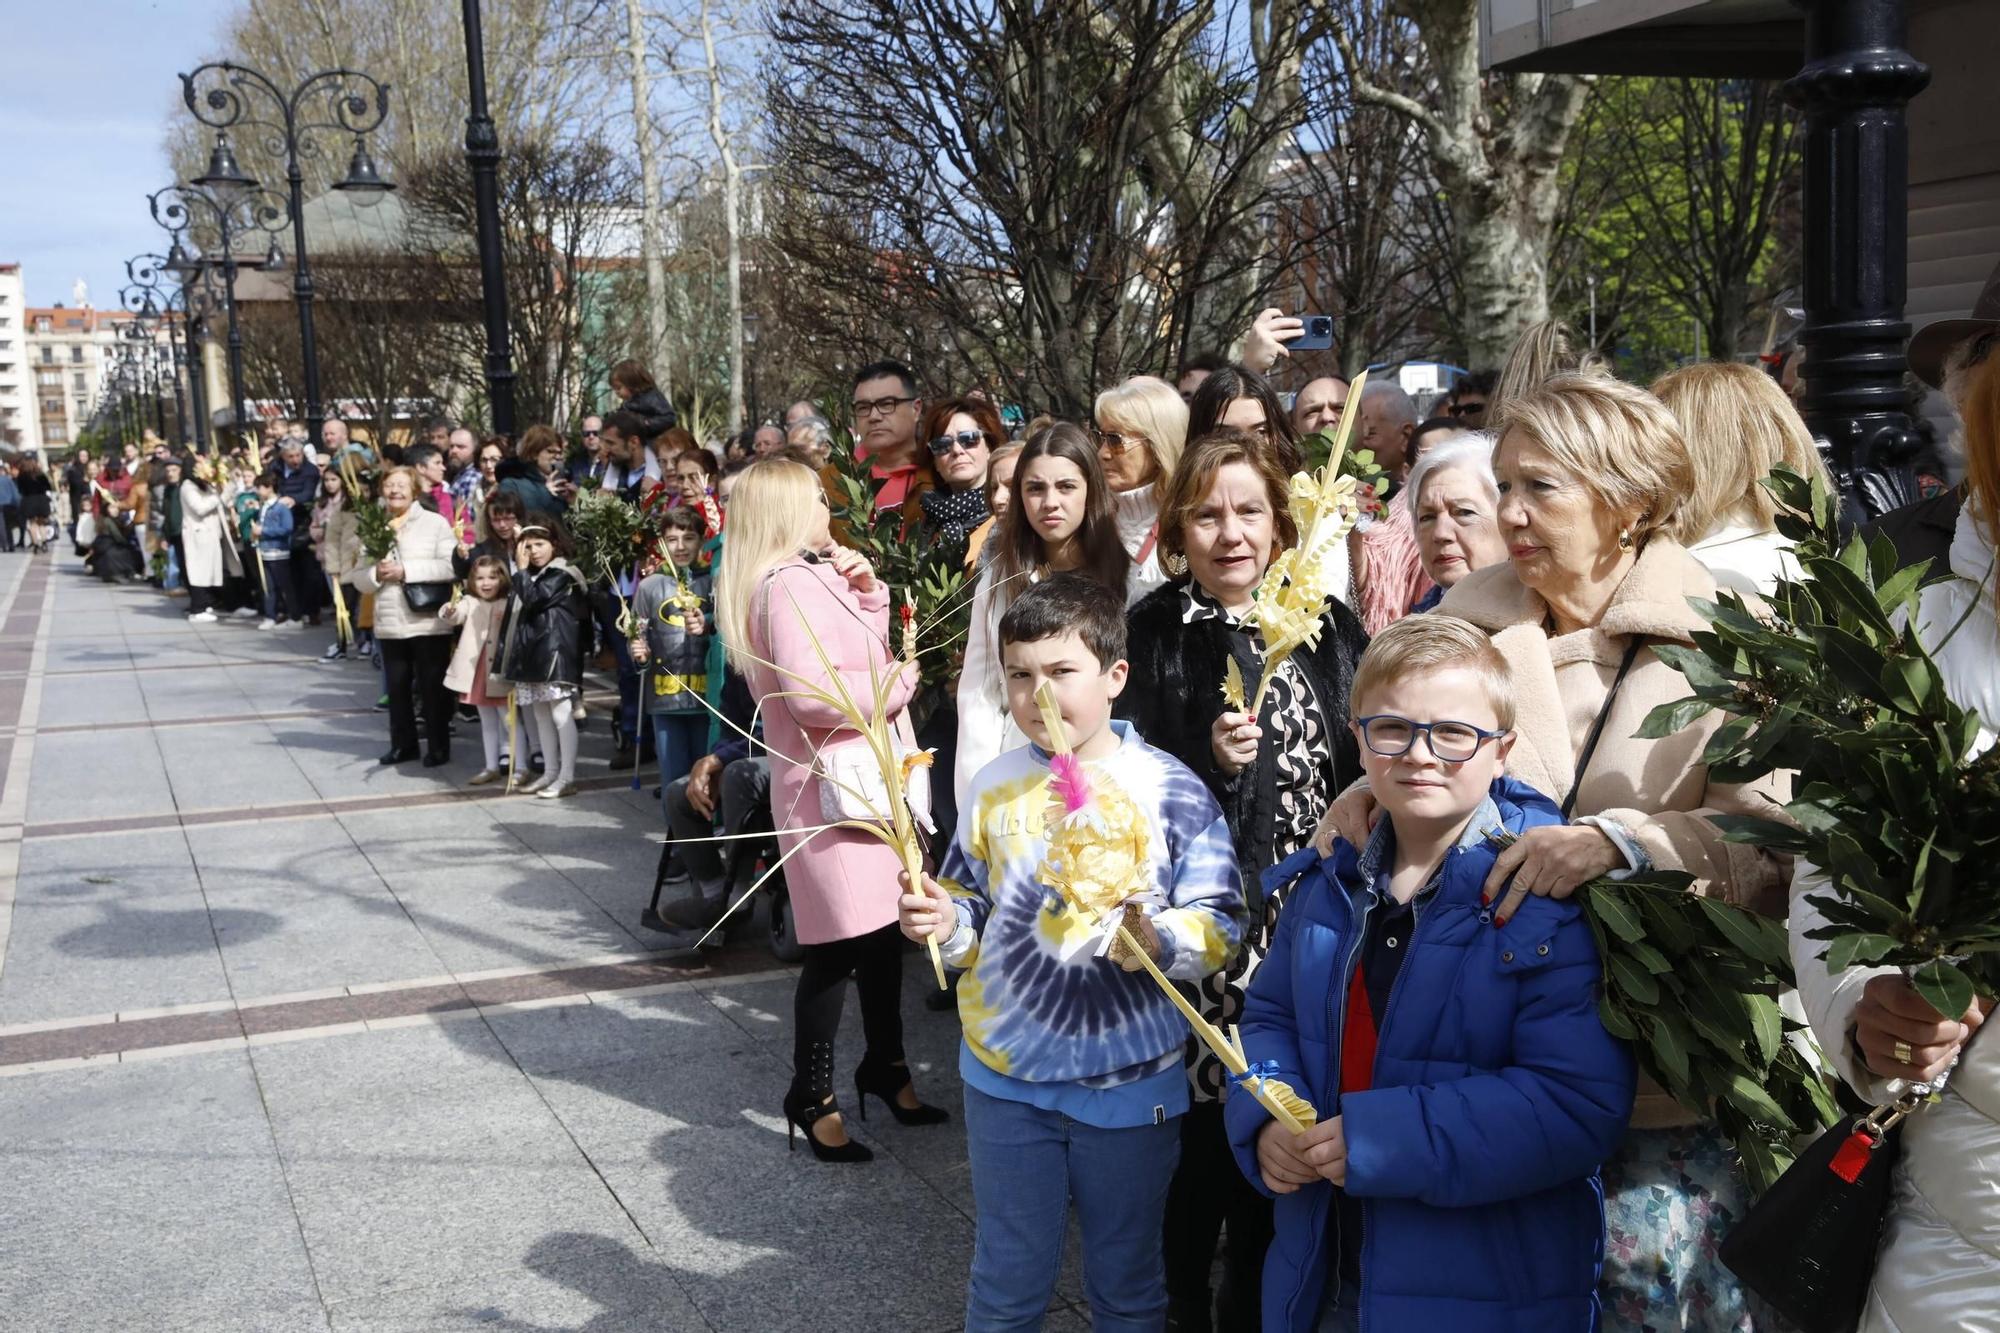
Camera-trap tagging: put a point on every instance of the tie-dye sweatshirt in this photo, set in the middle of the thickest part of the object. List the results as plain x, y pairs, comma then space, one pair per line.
1038, 1005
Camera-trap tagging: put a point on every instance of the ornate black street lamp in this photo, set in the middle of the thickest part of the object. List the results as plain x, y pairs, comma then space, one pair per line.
482, 155
151, 309
232, 210
342, 100
1856, 82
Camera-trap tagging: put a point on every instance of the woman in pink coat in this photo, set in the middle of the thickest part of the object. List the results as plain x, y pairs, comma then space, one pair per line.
780, 573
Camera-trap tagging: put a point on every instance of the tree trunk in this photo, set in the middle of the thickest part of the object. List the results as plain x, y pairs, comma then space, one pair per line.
1497, 162
649, 207
732, 185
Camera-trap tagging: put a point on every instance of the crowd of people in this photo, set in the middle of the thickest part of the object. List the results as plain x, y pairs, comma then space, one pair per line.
1320, 871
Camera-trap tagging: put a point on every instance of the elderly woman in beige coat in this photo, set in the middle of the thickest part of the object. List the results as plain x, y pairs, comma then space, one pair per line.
1591, 472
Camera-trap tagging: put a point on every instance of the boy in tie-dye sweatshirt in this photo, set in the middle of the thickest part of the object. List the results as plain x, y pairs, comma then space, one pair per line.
1072, 1062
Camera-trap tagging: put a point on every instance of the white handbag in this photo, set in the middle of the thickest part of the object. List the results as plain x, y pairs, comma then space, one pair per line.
851, 785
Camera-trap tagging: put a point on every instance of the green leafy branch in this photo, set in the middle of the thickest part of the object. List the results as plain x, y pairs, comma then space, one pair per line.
1835, 684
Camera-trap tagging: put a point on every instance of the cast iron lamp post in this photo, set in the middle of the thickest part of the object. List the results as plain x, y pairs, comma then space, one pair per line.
340, 100
482, 155
231, 211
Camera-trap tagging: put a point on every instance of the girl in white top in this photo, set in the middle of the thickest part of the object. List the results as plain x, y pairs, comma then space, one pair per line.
1060, 519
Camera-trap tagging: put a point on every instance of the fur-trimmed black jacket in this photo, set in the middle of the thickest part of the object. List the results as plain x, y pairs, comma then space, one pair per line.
1174, 695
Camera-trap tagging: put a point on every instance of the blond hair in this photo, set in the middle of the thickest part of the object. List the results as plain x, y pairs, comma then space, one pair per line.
1543, 350
1618, 441
770, 506
993, 462
1150, 407
1415, 645
1738, 425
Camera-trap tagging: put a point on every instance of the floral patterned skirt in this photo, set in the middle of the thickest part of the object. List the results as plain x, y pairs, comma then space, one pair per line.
1670, 1196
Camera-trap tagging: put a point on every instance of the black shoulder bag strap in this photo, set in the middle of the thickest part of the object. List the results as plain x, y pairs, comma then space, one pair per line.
1597, 727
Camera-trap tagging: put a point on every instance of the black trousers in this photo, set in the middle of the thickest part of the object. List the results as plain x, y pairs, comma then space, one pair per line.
415, 669
1207, 1194
875, 961
746, 797
309, 591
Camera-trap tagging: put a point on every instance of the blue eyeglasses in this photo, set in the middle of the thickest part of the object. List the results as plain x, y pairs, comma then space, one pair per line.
1452, 742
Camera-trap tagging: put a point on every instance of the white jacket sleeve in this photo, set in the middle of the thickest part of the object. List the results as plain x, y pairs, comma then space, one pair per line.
982, 692
1830, 998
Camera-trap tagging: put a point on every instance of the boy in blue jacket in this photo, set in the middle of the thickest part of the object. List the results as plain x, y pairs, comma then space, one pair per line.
1467, 1091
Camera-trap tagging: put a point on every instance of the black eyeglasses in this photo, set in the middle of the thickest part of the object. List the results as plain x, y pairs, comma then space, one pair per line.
1466, 409
881, 407
1112, 441
967, 440
1452, 742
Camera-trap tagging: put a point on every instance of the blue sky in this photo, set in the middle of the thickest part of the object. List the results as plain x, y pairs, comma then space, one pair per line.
86, 88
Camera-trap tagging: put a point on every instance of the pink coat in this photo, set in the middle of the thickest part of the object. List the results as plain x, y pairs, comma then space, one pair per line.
844, 884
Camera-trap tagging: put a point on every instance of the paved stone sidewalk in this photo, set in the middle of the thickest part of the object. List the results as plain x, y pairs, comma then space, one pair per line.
290, 1041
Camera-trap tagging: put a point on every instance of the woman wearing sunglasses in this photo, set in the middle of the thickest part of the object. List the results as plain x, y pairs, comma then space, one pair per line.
962, 434
1142, 426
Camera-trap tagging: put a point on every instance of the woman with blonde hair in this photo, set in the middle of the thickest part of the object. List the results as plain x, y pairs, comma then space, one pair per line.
794, 607
1739, 426
1142, 425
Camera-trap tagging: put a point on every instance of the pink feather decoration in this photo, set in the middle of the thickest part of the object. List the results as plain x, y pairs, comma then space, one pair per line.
1070, 781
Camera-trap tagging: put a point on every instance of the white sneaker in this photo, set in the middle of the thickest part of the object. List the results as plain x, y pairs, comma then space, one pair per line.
267, 624
205, 617
245, 613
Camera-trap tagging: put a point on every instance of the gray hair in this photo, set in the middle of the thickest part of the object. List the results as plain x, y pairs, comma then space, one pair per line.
1400, 407
821, 428
1471, 450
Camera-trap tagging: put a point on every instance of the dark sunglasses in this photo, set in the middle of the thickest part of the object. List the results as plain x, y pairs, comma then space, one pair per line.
967, 440
1466, 409
590, 435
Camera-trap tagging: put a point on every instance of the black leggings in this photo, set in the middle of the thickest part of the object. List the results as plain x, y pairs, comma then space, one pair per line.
1207, 1195
875, 961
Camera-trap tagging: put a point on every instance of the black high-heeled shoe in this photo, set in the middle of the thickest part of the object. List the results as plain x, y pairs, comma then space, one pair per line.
887, 1081
802, 1114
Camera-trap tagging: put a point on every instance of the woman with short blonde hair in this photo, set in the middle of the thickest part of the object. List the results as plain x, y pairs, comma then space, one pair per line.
1739, 427
796, 611
1142, 426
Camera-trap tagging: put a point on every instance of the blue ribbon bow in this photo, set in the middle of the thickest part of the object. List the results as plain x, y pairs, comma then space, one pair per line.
1266, 1070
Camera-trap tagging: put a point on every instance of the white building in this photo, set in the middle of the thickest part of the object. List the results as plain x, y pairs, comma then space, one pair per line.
72, 354
19, 425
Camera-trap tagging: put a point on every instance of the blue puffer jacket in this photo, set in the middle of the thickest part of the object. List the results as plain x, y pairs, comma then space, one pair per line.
1496, 1094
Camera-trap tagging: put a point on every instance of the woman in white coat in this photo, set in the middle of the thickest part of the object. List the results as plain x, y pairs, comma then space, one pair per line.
1142, 427
206, 556
1938, 1270
415, 642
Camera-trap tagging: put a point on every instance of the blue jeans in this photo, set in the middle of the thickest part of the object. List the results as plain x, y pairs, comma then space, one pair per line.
678, 740
1029, 1167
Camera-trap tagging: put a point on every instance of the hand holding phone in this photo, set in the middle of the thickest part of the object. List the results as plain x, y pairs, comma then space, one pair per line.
1318, 335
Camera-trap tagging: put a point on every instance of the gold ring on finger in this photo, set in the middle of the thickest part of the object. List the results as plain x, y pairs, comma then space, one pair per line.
1902, 1052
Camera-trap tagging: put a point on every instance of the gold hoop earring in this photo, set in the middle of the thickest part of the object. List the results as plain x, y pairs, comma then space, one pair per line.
1175, 565
1624, 539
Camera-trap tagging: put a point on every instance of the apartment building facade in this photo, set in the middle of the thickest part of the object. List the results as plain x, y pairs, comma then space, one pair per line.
19, 413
